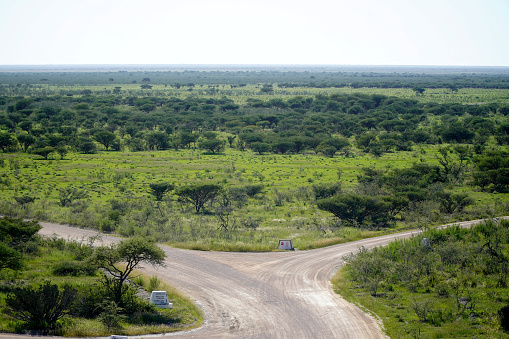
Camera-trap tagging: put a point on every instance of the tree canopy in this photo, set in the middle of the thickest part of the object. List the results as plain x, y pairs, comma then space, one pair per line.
198, 194
119, 261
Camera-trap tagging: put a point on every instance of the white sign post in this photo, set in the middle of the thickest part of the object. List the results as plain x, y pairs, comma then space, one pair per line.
160, 299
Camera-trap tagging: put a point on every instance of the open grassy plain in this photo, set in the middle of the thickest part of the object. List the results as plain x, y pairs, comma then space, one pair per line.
240, 95
118, 196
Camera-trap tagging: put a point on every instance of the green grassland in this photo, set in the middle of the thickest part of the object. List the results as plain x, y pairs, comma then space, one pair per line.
241, 94
285, 209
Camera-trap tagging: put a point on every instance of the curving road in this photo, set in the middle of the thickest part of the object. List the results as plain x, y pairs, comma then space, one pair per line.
262, 295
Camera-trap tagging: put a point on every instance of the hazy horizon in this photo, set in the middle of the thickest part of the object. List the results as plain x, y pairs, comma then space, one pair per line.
267, 32
243, 66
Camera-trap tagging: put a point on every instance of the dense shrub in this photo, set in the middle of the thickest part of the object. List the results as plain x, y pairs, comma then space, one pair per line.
73, 268
41, 307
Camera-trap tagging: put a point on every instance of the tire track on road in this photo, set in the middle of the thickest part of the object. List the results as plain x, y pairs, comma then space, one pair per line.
260, 295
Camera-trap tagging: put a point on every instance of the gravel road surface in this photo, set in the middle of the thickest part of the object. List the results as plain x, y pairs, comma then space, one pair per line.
261, 295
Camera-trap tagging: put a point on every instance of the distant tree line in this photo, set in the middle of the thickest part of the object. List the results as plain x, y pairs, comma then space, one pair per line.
390, 77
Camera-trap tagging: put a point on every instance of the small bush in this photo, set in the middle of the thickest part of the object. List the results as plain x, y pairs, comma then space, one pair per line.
153, 283
111, 316
503, 313
87, 301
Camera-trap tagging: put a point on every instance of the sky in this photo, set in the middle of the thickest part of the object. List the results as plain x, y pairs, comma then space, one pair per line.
331, 32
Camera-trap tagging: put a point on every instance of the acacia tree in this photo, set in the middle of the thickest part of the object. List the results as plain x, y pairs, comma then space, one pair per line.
212, 145
356, 209
120, 260
25, 140
453, 168
159, 189
418, 90
85, 145
260, 147
44, 151
198, 194
67, 195
105, 137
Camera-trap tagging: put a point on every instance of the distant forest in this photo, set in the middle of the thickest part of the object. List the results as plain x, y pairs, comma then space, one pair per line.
284, 76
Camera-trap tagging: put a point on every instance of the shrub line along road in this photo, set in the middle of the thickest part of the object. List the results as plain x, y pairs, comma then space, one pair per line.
260, 295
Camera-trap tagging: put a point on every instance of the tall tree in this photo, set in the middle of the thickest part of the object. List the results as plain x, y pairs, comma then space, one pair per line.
198, 194
212, 145
44, 151
25, 140
105, 137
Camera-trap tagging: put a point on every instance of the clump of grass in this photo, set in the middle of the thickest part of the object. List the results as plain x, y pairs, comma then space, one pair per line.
153, 283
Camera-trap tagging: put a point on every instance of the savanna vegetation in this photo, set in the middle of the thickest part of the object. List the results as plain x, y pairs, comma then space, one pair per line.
442, 283
73, 288
235, 170
235, 159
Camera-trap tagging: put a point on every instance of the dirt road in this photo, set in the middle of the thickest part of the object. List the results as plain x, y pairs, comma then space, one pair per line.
262, 295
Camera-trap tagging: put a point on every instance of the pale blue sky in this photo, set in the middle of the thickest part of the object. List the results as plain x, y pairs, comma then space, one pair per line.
353, 32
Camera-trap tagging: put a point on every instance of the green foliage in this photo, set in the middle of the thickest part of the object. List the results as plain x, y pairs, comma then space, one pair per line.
85, 145
253, 190
25, 140
159, 189
355, 209
7, 141
322, 191
67, 195
9, 257
212, 145
120, 260
73, 268
90, 302
418, 90
492, 172
260, 147
16, 232
44, 151
40, 307
105, 137
111, 316
445, 276
198, 194
453, 202
306, 129
153, 283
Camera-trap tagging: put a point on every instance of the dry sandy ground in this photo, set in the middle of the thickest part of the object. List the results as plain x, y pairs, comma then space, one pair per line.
261, 295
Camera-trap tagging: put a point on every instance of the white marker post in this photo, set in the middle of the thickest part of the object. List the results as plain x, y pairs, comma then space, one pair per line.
160, 299
285, 244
